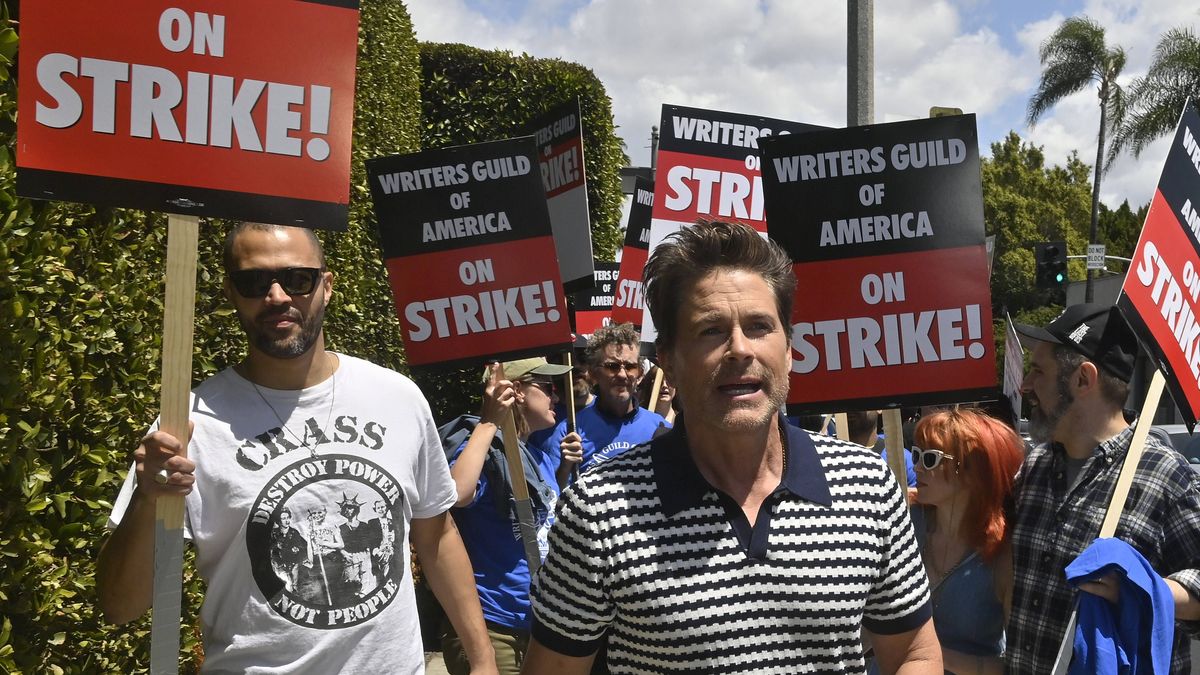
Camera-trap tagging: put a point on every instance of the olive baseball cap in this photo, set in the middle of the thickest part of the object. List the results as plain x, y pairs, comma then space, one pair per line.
515, 370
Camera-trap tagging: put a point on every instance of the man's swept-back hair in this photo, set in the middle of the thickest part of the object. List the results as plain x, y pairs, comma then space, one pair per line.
619, 334
692, 253
244, 226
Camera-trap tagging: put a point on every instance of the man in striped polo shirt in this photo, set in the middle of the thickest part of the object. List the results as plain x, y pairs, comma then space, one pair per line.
734, 543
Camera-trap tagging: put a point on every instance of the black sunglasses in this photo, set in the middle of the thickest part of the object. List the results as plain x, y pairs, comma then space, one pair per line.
545, 386
930, 459
254, 284
614, 367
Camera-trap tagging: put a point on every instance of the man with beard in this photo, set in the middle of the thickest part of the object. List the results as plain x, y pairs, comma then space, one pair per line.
293, 421
734, 543
615, 422
1077, 385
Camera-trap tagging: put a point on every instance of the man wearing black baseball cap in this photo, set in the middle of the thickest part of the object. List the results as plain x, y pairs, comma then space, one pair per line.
1077, 384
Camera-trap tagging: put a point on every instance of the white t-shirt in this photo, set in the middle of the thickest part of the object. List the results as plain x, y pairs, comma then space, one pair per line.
305, 549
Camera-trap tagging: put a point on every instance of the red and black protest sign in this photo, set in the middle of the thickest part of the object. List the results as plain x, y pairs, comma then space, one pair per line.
220, 109
1161, 294
593, 307
709, 167
470, 257
885, 226
628, 304
559, 135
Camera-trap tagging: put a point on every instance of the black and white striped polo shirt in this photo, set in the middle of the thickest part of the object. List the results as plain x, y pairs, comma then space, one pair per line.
645, 550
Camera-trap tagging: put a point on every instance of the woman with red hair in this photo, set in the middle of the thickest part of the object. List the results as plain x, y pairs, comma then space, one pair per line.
965, 463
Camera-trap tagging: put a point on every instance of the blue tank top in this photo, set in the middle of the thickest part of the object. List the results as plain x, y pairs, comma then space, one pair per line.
966, 613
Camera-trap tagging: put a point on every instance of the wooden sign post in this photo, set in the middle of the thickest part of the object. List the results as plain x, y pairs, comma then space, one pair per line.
652, 403
570, 380
893, 440
842, 422
569, 392
520, 489
178, 321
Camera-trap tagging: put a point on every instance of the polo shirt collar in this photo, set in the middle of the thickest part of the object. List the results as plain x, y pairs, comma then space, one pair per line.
682, 484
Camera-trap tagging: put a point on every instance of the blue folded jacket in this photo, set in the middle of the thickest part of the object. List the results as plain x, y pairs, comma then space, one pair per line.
1133, 636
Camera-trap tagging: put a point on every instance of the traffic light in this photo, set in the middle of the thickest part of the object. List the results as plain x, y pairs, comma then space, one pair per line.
1051, 259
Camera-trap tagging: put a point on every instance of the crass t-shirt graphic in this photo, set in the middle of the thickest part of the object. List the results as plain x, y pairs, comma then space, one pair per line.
322, 541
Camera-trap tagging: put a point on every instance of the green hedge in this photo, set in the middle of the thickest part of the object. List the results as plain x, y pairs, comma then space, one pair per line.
471, 95
80, 322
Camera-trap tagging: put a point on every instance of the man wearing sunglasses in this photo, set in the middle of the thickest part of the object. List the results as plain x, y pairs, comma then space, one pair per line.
614, 422
1077, 385
295, 428
734, 543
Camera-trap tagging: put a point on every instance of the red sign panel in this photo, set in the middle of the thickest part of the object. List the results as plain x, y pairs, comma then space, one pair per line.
1161, 294
893, 322
503, 304
219, 108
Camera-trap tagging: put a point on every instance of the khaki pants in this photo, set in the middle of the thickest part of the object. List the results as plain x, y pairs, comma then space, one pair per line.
510, 646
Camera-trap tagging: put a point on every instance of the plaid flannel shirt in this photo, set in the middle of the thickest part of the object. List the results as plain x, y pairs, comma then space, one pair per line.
1052, 526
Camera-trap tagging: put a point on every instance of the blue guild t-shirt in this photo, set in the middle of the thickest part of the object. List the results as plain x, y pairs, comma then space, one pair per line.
493, 543
604, 436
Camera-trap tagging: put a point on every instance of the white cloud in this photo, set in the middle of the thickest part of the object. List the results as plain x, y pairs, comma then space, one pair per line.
782, 58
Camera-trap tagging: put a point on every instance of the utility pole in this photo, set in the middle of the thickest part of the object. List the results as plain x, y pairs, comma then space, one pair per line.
860, 62
653, 148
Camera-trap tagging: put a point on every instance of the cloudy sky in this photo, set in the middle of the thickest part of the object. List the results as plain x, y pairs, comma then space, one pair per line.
786, 59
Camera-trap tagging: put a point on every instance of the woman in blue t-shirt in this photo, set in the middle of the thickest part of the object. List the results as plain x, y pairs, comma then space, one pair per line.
485, 511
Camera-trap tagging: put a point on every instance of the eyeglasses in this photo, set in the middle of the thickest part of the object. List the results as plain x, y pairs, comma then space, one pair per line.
615, 367
930, 459
255, 284
544, 386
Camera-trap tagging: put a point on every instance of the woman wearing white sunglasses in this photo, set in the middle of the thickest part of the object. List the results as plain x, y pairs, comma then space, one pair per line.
965, 463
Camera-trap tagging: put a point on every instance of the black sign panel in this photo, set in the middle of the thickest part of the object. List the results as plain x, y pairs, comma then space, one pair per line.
431, 201
874, 190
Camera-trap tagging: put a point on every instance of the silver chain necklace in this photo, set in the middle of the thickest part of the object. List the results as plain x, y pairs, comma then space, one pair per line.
283, 425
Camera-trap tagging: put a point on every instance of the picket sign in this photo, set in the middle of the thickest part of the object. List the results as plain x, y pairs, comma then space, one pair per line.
183, 233
180, 159
893, 440
843, 426
516, 473
1116, 504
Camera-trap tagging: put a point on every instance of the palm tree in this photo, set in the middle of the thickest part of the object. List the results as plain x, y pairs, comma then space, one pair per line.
1155, 101
1074, 57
